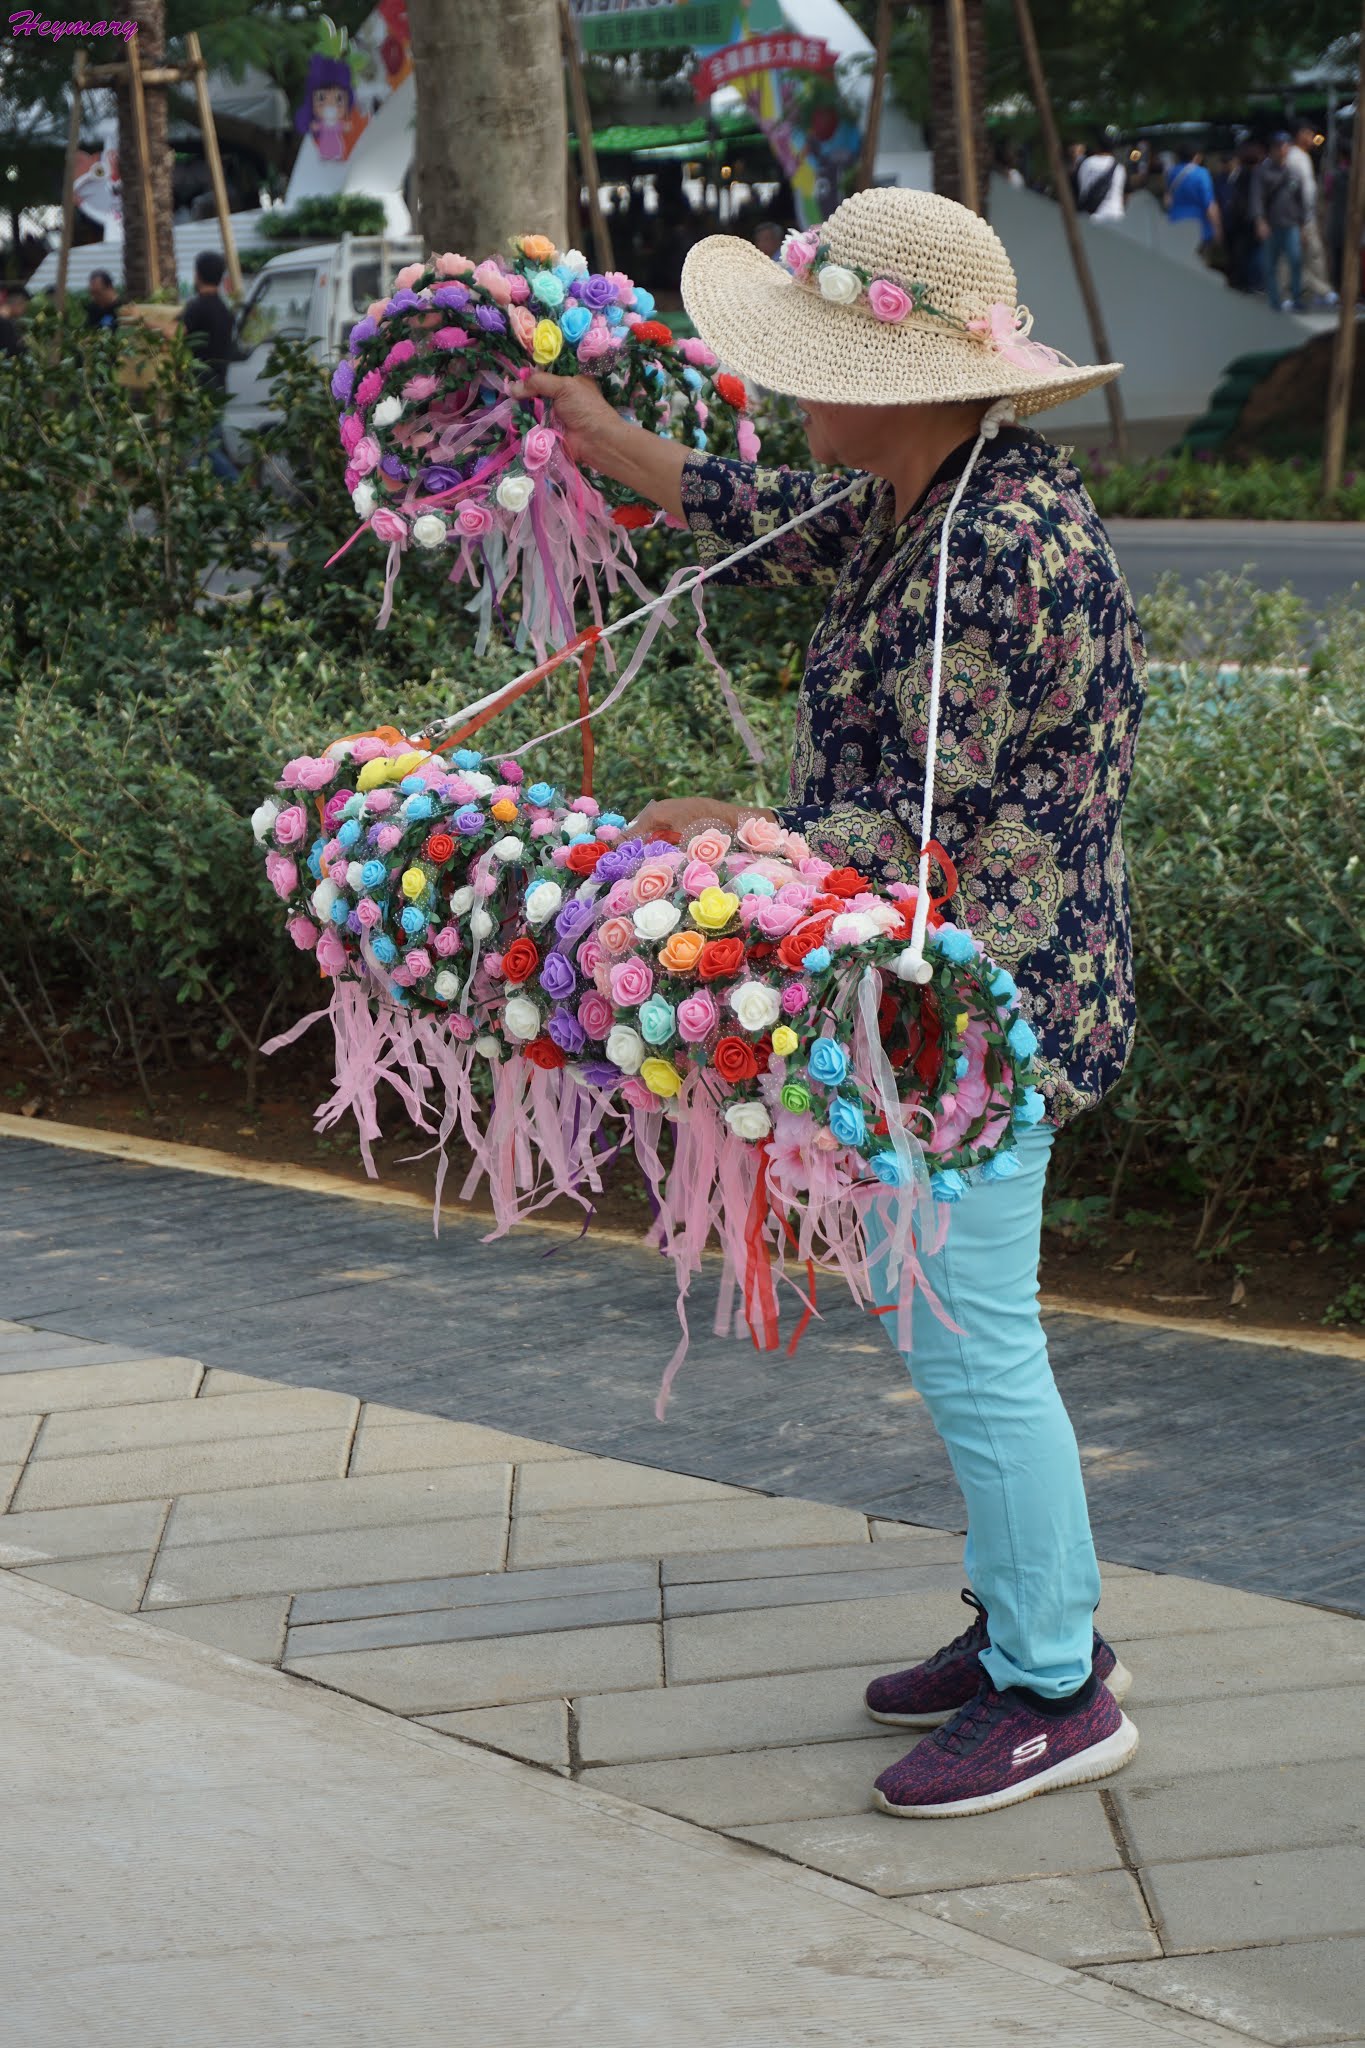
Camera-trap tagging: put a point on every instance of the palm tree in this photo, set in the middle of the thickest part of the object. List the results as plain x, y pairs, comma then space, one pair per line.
943, 120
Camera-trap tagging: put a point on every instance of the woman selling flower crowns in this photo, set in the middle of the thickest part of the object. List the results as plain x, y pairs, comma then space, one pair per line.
896, 326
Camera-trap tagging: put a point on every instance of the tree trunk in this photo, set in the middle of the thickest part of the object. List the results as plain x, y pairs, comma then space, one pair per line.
150, 16
492, 138
947, 163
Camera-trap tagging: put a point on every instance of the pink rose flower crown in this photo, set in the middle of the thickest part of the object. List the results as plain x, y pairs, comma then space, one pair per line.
524, 973
447, 458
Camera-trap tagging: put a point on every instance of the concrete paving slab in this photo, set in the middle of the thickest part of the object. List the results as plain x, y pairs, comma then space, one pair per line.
437, 1678
609, 1483
590, 1534
732, 1714
1099, 1918
220, 1381
115, 1582
151, 1423
100, 1386
317, 1504
538, 1732
733, 1595
1295, 1806
470, 1624
51, 1533
246, 1628
1292, 1994
9, 1479
1319, 1650
183, 1468
194, 1573
761, 1785
1065, 1834
707, 1570
1180, 1742
354, 1603
1155, 1604
399, 1442
16, 1437
1243, 1901
70, 1353
894, 1629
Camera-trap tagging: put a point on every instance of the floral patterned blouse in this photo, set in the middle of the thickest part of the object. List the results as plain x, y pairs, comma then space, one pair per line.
1041, 696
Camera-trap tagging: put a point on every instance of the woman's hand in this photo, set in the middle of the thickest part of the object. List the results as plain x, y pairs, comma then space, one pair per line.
591, 428
679, 817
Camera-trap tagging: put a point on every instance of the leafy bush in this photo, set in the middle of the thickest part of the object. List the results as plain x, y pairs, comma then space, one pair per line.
1192, 484
324, 218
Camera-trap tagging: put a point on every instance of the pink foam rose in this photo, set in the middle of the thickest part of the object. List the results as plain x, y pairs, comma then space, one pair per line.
519, 289
447, 941
539, 444
632, 983
451, 265
418, 963
653, 879
815, 868
365, 455
489, 278
775, 919
542, 827
798, 251
450, 337
401, 977
560, 856
697, 1017
291, 825
350, 478
380, 800
386, 525
502, 793
460, 1026
303, 932
315, 772
511, 771
367, 749
376, 309
888, 301
621, 898
281, 874
368, 912
523, 326
401, 352
408, 275
796, 848
800, 895
698, 875
616, 935
625, 286
331, 953
586, 806
336, 869
610, 835
473, 520
703, 412
336, 804
595, 1012
597, 342
457, 790
761, 835
491, 967
485, 882
638, 1093
369, 388
794, 999
590, 954
698, 354
710, 846
386, 838
350, 430
749, 443
420, 388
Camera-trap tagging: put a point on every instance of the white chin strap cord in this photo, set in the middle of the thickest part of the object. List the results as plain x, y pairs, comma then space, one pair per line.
917, 968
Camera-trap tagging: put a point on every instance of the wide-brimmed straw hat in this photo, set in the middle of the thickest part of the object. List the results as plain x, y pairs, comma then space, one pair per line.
899, 297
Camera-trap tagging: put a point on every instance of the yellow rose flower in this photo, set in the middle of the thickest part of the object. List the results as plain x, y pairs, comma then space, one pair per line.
547, 342
713, 909
960, 1022
659, 1077
405, 765
414, 884
504, 810
785, 1041
373, 775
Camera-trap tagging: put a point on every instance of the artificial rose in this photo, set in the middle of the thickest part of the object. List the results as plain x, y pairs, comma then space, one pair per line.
401, 352
755, 1005
473, 521
660, 1077
490, 278
543, 901
388, 412
748, 441
852, 929
713, 909
794, 948
845, 882
798, 250
514, 493
732, 390
596, 292
290, 825
518, 287
366, 455
450, 265
387, 526
720, 958
733, 1060
537, 446
583, 858
625, 1048
520, 961
841, 287
655, 920
632, 983
697, 1017
281, 874
761, 835
548, 289
888, 301
827, 1062
616, 935
557, 978
657, 1021
523, 326
547, 343
709, 847
520, 1018
748, 1120
364, 500
303, 932
539, 248
451, 337
595, 1014
774, 919
653, 879
543, 1052
429, 530
681, 951
567, 1032
698, 875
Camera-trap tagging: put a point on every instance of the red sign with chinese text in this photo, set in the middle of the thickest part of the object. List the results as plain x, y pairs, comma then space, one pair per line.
779, 52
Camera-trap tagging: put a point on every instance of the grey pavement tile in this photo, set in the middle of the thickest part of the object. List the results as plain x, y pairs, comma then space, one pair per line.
54, 1533
608, 1483
1098, 1918
1159, 1605
760, 1786
1290, 1995
438, 1678
732, 1595
467, 1624
896, 1629
1243, 1901
1192, 1739
149, 1424
731, 1714
1064, 1833
800, 1562
65, 1357
537, 1731
309, 1505
219, 1381
169, 1469
16, 1437
46, 1389
598, 1533
115, 1582
251, 1628
416, 1444
195, 1573
355, 1603
9, 1480
1322, 1650
1294, 1805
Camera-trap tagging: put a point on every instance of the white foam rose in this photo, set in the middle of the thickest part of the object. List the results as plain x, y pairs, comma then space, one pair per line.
480, 783
429, 531
748, 1120
755, 1005
576, 826
387, 412
625, 1048
515, 493
656, 920
885, 916
489, 1047
574, 261
852, 928
520, 1018
481, 924
543, 901
324, 896
509, 849
447, 985
462, 900
263, 817
364, 499
354, 871
839, 285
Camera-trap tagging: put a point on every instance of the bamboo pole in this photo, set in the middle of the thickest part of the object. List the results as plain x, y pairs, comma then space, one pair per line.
144, 162
73, 143
969, 190
209, 136
1066, 199
1344, 354
587, 151
872, 132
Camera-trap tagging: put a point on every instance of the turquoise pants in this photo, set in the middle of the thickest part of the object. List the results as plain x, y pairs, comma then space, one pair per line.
992, 1398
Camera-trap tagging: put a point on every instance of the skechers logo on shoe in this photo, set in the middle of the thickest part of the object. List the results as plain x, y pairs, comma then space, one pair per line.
1029, 1752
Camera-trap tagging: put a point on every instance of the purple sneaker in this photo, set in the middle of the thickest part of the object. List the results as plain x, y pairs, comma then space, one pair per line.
929, 1694
998, 1750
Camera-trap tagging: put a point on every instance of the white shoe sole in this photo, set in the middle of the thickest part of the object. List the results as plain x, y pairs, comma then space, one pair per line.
1119, 1682
1101, 1760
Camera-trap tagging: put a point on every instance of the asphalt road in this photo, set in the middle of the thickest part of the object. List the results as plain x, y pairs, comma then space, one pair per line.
1321, 559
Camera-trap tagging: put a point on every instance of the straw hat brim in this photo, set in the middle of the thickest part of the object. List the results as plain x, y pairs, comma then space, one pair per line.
782, 334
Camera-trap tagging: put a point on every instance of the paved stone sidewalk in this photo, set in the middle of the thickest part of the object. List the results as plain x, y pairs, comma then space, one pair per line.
701, 1649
